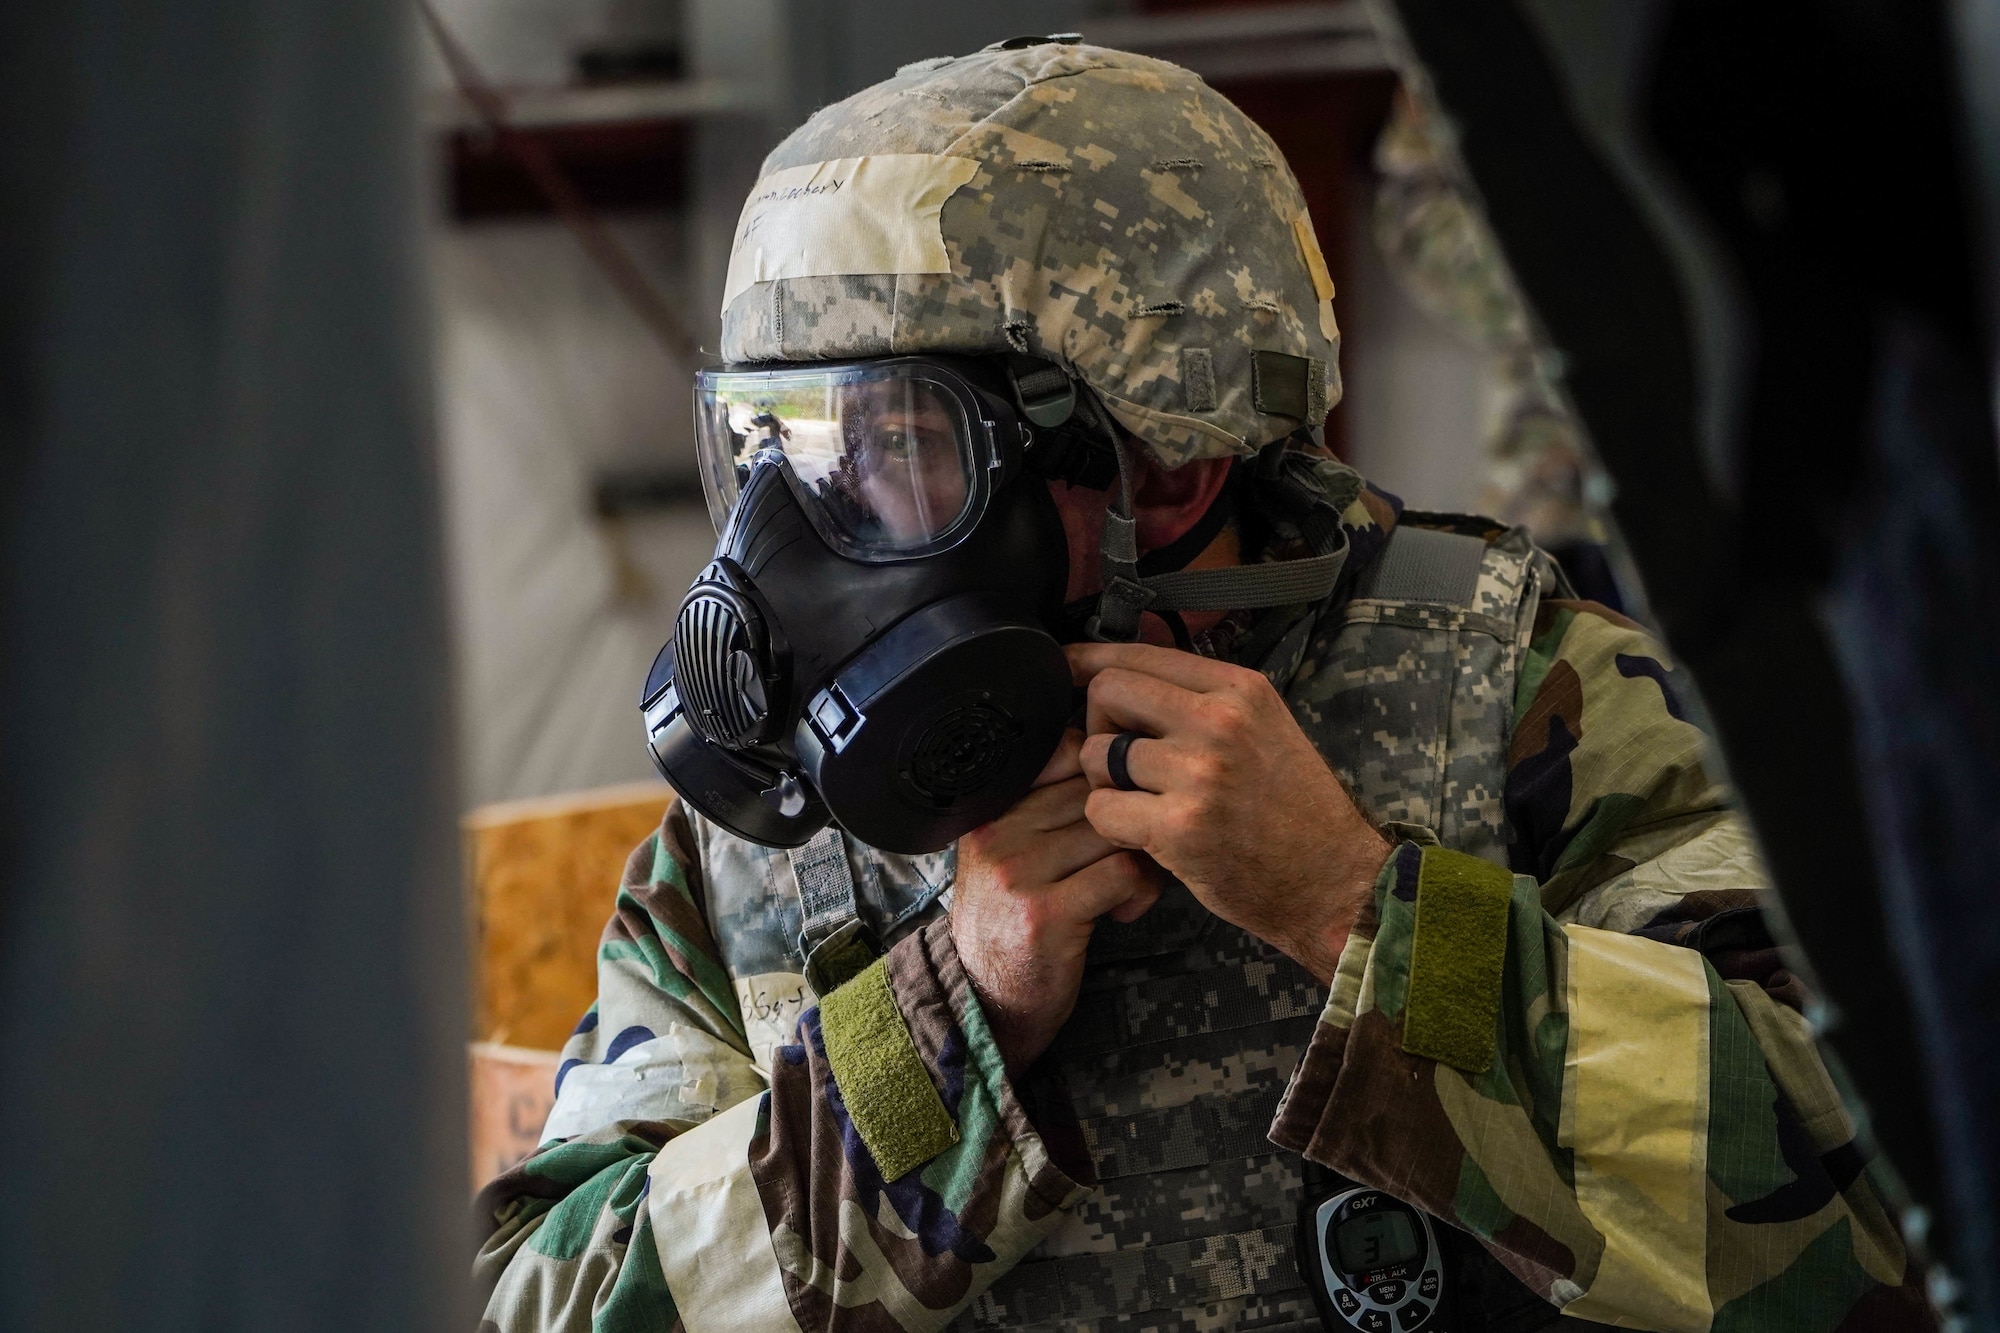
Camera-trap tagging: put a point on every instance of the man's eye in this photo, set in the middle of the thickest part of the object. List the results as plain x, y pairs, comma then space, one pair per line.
897, 446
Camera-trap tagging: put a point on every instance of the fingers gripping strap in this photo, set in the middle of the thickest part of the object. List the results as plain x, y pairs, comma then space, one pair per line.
888, 1092
1456, 959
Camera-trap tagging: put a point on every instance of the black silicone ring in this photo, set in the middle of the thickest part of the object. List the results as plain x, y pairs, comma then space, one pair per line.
1114, 761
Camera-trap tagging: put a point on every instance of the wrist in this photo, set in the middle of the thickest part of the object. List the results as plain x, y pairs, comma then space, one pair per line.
1021, 1041
1019, 1033
1319, 946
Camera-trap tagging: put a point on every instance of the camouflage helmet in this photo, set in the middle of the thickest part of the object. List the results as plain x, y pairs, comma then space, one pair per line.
1101, 210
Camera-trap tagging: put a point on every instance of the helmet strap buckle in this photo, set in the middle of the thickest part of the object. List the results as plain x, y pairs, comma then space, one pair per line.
1043, 391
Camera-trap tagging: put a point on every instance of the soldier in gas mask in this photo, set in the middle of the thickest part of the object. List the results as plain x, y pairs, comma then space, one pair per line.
1128, 871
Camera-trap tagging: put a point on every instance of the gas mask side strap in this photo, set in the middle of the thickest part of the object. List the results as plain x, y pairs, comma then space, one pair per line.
1289, 479
1124, 597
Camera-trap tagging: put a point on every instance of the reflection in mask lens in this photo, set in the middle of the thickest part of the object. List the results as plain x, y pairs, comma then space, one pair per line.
886, 461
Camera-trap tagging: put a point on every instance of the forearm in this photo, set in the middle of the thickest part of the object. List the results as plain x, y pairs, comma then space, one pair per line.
1595, 1106
898, 1148
892, 1163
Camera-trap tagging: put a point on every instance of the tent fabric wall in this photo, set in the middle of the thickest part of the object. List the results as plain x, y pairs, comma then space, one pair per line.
548, 381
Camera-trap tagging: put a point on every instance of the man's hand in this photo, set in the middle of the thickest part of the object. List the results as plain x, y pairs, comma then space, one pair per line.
1030, 886
1236, 802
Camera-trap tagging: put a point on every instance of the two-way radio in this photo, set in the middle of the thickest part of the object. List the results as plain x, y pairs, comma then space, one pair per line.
1377, 1265
1373, 1262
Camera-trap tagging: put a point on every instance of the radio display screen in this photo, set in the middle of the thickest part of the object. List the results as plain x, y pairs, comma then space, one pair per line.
1373, 1239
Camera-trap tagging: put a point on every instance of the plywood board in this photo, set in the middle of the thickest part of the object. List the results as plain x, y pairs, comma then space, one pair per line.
545, 876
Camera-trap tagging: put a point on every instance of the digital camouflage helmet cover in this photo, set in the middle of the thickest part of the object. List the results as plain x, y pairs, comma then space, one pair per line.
1102, 210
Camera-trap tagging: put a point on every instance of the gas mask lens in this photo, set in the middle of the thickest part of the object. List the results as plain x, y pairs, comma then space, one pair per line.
889, 460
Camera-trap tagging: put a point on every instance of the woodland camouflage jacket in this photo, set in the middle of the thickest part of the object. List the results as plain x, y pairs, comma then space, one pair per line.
1591, 1058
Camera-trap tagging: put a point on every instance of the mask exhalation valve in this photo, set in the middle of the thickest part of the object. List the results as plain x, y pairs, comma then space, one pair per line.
727, 679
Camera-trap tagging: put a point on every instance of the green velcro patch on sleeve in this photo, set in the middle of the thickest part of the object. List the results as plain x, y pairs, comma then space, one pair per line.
1456, 958
889, 1094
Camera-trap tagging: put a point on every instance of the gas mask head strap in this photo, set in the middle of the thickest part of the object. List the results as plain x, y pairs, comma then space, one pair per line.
1072, 432
1125, 596
1128, 594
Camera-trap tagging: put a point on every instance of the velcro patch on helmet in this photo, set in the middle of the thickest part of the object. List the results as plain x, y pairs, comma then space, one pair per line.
1289, 386
1198, 378
878, 214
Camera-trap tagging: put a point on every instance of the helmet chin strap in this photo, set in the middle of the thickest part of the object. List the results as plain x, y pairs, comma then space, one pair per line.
1128, 594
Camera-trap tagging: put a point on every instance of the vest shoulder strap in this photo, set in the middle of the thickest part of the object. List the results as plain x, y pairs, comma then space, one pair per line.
1424, 565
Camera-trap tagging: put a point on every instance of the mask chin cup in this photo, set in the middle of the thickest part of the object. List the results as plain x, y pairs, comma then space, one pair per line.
938, 726
760, 802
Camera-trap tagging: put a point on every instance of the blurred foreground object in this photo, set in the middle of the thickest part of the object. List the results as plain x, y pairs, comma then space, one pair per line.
232, 949
1540, 471
541, 874
1746, 229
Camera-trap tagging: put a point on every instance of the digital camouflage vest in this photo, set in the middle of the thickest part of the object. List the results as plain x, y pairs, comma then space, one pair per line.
1187, 1029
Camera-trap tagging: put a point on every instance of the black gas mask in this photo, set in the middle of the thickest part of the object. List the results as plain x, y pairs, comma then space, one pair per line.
877, 641
872, 642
